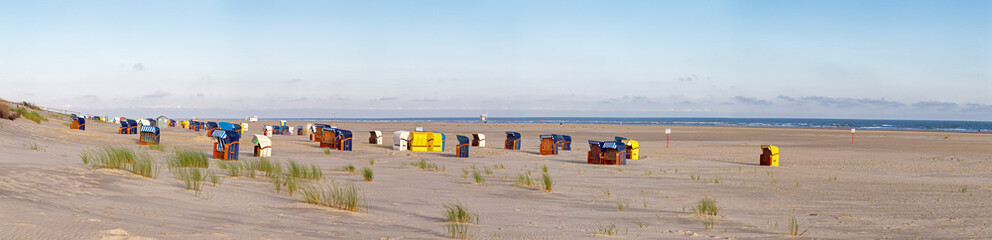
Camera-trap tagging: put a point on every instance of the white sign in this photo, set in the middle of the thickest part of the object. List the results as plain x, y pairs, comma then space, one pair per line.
668, 131
852, 130
419, 129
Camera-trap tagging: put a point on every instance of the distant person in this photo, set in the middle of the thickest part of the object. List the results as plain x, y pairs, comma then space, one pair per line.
561, 124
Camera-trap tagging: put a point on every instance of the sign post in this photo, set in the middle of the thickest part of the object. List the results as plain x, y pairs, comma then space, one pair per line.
668, 136
852, 136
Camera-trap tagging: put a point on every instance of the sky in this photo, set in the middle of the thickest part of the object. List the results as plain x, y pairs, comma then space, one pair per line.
379, 59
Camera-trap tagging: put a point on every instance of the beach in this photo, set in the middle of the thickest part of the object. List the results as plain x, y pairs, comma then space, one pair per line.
886, 184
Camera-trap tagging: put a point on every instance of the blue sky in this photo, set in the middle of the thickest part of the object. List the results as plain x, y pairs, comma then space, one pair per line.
817, 59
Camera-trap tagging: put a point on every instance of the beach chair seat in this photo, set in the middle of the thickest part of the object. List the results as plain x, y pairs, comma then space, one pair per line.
478, 140
401, 140
328, 137
512, 141
769, 156
226, 145
149, 135
263, 146
375, 137
343, 140
461, 150
548, 146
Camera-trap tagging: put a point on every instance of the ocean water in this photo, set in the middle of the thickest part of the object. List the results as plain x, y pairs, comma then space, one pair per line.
918, 125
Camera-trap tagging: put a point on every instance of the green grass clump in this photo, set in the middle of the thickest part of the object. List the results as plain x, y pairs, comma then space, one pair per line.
113, 157
189, 158
300, 171
341, 196
31, 115
479, 179
193, 177
459, 231
524, 180
34, 146
610, 230
269, 167
488, 171
547, 182
458, 213
327, 151
622, 204
499, 166
367, 174
238, 169
706, 206
350, 168
424, 165
287, 183
708, 222
544, 168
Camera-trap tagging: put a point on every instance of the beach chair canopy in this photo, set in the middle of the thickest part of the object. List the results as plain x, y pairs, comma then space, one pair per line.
515, 135
619, 146
344, 134
261, 141
552, 137
149, 129
463, 139
226, 126
132, 123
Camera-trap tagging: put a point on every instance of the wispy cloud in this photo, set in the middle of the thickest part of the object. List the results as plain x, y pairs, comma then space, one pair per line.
689, 78
942, 106
843, 102
751, 100
138, 67
156, 95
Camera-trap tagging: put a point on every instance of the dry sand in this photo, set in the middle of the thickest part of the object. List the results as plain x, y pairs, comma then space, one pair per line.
890, 184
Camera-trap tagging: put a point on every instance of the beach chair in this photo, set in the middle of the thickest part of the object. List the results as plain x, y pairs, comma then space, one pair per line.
318, 131
286, 130
226, 147
595, 152
149, 135
419, 141
565, 142
267, 130
435, 142
328, 137
210, 127
197, 126
478, 140
307, 130
375, 137
132, 126
282, 123
124, 127
633, 149
769, 156
463, 144
401, 140
263, 145
78, 123
343, 139
548, 146
151, 122
614, 153
299, 130
512, 141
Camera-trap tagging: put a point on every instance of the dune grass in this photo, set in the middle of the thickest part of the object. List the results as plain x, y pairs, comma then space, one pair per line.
544, 168
458, 213
424, 165
367, 174
622, 204
459, 231
547, 182
327, 151
193, 177
341, 196
34, 146
188, 158
300, 171
115, 157
479, 179
610, 230
156, 147
31, 115
350, 168
524, 180
286, 183
708, 222
706, 206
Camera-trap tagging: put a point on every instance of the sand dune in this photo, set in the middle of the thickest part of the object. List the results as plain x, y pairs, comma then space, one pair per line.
890, 184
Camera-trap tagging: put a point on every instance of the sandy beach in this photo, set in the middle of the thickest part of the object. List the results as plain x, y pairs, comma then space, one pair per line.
888, 184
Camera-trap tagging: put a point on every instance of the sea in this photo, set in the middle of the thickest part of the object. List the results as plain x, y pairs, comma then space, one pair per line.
910, 125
